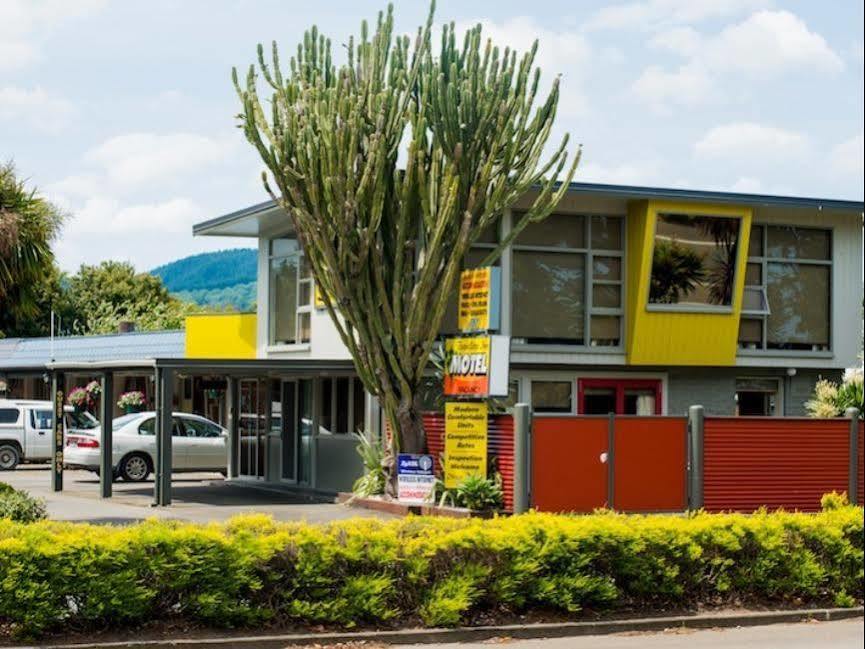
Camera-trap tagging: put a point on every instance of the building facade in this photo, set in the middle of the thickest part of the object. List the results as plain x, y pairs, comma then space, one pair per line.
630, 299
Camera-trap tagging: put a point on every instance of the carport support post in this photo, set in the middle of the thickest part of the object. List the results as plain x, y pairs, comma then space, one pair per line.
232, 403
696, 417
106, 447
164, 401
522, 426
58, 392
853, 484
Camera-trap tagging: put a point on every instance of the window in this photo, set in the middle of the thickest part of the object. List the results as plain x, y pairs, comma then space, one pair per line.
148, 427
567, 281
8, 415
787, 299
291, 293
552, 396
756, 397
341, 407
200, 428
41, 419
694, 261
620, 396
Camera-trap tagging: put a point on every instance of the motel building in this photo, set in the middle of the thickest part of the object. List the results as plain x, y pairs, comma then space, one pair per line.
630, 300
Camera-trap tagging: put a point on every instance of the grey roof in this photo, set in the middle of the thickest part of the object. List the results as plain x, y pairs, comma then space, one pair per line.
36, 353
621, 191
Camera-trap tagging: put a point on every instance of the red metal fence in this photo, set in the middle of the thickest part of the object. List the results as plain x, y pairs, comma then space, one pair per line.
747, 463
750, 462
573, 459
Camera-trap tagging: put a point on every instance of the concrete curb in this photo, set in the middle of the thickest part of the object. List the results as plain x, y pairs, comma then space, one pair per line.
480, 633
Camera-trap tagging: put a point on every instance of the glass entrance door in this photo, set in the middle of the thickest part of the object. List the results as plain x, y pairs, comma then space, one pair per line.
251, 437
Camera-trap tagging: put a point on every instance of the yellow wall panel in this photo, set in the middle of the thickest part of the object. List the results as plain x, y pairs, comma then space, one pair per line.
656, 337
229, 335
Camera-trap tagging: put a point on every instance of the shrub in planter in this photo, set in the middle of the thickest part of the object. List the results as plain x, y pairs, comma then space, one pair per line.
132, 401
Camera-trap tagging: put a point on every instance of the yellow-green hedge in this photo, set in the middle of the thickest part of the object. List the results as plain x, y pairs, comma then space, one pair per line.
252, 570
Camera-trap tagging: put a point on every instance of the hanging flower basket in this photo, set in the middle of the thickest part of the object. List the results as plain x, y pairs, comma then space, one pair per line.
78, 399
131, 401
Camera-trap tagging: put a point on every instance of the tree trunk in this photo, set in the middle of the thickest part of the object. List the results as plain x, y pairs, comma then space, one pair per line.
409, 422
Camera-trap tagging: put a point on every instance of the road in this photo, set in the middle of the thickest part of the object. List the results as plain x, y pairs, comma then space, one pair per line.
197, 497
843, 634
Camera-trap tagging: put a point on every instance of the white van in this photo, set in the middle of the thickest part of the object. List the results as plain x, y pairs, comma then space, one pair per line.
26, 429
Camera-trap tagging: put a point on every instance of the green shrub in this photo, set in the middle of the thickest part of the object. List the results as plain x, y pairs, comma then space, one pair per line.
20, 506
254, 571
480, 494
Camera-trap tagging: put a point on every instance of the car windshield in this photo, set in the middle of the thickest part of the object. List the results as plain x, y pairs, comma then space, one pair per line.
81, 420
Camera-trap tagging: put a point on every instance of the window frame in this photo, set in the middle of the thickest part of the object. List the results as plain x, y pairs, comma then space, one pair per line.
779, 393
764, 260
302, 282
589, 282
696, 308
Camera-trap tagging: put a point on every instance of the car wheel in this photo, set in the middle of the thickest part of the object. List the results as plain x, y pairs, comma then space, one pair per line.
135, 468
10, 456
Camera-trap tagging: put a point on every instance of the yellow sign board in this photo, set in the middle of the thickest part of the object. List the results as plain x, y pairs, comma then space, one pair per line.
479, 299
465, 441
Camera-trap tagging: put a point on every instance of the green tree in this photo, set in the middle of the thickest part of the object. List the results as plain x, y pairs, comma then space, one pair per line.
389, 166
28, 226
100, 297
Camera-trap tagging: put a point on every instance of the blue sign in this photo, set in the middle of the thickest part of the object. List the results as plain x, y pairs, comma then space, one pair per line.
408, 464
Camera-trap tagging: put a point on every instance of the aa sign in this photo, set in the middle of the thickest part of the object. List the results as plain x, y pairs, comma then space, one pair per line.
479, 301
476, 366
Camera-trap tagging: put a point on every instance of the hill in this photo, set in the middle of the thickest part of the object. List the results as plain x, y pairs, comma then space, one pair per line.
220, 279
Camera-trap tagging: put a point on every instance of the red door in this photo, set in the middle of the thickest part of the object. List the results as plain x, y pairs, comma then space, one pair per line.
619, 396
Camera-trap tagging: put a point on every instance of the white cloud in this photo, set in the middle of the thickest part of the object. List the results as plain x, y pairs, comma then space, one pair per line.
103, 214
689, 85
565, 53
748, 141
24, 24
770, 42
656, 14
764, 45
747, 185
36, 107
847, 157
141, 158
642, 172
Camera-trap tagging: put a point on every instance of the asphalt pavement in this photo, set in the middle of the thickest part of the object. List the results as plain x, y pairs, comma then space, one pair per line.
843, 634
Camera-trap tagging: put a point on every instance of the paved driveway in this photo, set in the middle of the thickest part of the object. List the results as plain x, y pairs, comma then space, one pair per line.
199, 497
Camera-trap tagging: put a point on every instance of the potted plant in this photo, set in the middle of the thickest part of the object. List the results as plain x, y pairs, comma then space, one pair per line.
77, 398
132, 401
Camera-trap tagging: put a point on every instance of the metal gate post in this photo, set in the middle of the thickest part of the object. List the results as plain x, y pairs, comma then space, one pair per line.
611, 462
106, 448
58, 393
164, 407
853, 482
522, 426
232, 403
696, 419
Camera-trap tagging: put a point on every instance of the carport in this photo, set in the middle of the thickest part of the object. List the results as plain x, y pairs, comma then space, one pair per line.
287, 420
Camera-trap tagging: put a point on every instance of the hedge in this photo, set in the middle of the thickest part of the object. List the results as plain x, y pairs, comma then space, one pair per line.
20, 506
435, 571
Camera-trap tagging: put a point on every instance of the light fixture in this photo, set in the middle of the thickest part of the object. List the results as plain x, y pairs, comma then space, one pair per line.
791, 371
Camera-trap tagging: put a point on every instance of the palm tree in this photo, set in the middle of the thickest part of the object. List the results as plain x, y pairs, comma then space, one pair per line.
28, 226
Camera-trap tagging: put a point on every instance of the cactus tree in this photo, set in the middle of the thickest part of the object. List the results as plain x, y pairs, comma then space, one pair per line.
389, 166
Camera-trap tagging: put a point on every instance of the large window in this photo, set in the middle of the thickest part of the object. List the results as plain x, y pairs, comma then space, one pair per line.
694, 261
567, 281
787, 299
291, 291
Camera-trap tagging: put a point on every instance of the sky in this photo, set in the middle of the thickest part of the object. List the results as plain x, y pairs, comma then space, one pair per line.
122, 112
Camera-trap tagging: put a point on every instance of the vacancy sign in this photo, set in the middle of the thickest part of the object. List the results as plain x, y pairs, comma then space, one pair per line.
476, 366
465, 441
479, 300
